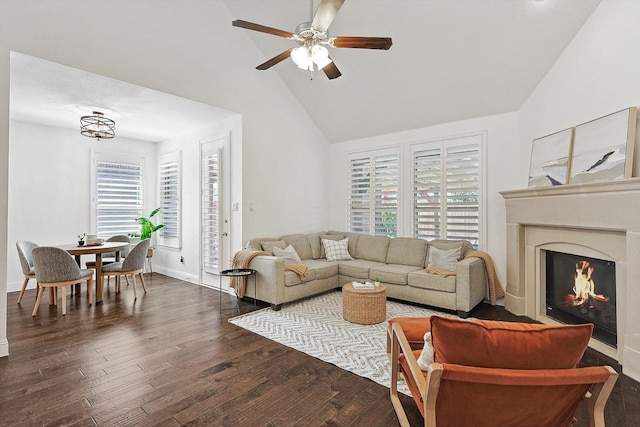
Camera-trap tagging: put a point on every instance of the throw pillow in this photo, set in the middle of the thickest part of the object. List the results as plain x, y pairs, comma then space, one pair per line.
508, 345
337, 250
426, 355
268, 246
444, 260
289, 254
328, 237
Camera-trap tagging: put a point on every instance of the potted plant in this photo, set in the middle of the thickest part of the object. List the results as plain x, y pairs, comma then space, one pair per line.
147, 228
377, 281
81, 239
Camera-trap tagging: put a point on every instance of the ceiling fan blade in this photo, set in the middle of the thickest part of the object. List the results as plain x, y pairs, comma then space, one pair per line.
332, 71
363, 42
273, 61
325, 14
261, 28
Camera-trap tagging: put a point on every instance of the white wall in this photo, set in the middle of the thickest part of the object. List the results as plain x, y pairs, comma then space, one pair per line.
597, 74
50, 186
167, 260
501, 146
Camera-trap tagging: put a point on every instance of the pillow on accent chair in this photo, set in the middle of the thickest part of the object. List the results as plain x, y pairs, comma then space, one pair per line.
337, 250
509, 345
289, 254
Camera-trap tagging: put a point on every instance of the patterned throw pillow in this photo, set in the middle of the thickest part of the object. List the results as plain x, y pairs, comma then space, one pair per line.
337, 250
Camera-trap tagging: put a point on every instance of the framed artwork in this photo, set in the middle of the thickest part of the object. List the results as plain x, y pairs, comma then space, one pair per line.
551, 159
603, 148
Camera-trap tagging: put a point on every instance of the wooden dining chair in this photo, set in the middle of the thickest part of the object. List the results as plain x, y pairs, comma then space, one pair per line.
26, 262
133, 264
56, 268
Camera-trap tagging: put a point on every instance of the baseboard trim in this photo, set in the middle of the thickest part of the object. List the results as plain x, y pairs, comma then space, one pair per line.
4, 348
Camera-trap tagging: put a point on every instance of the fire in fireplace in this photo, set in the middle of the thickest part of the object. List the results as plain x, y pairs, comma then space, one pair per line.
582, 290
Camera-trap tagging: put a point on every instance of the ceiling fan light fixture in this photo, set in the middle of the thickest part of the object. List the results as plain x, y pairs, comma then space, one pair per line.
320, 55
302, 58
97, 126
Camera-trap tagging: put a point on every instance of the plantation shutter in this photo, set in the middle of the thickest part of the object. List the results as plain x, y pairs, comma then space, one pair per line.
463, 192
118, 197
446, 189
373, 193
210, 209
169, 194
360, 195
427, 193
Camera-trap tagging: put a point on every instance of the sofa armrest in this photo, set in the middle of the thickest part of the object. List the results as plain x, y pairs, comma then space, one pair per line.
471, 283
269, 280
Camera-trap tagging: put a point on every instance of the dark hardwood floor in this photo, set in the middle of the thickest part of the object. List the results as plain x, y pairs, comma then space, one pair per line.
171, 359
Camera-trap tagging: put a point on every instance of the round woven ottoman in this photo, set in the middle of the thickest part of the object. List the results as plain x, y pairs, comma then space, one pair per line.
364, 306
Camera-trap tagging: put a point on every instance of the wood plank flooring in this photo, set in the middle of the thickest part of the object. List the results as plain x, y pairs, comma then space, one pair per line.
171, 359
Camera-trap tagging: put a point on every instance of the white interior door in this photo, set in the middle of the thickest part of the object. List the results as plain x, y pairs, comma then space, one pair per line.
213, 214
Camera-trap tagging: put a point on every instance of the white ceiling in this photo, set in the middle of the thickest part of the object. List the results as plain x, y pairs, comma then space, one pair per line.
450, 60
52, 94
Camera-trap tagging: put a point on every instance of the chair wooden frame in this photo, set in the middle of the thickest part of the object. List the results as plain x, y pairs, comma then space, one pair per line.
25, 264
126, 274
63, 285
430, 386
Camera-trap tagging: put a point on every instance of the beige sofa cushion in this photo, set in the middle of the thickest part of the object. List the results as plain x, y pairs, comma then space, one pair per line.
395, 274
423, 280
407, 251
323, 269
293, 279
372, 248
300, 244
358, 268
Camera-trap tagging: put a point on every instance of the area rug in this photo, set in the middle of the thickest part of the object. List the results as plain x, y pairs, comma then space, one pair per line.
315, 326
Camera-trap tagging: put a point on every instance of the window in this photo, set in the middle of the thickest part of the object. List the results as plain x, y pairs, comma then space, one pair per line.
169, 192
446, 189
118, 194
373, 192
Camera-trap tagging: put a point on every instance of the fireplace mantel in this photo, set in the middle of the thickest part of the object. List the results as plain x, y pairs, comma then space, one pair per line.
601, 219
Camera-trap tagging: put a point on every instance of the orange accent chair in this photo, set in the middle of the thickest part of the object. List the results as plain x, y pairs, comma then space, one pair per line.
489, 373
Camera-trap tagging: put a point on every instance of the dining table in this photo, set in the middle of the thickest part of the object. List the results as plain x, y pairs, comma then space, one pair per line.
105, 247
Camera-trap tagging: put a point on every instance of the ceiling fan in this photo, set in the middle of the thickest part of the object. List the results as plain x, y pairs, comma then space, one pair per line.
312, 38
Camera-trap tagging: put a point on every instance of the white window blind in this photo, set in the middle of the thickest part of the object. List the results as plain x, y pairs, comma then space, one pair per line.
169, 192
446, 189
210, 209
373, 193
118, 197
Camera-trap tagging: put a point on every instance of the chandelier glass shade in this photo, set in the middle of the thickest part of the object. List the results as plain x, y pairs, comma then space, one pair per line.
305, 57
97, 126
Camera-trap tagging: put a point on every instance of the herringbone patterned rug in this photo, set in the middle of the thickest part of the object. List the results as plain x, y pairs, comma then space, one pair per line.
315, 326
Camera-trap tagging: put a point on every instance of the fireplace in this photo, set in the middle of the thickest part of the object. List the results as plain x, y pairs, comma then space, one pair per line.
582, 289
597, 221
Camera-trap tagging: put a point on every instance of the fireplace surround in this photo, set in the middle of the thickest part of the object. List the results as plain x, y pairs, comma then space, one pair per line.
599, 220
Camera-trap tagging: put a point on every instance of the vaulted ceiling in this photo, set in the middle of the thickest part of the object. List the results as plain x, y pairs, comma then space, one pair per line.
450, 60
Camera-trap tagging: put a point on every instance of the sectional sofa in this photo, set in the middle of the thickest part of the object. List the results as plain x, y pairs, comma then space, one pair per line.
400, 263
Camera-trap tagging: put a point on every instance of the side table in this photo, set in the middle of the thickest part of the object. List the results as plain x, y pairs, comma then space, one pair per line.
239, 273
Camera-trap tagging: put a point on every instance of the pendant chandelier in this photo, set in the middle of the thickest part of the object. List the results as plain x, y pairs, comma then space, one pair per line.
97, 126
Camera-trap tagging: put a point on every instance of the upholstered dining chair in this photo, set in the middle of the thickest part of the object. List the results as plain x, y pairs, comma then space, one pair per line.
110, 257
26, 262
56, 268
133, 264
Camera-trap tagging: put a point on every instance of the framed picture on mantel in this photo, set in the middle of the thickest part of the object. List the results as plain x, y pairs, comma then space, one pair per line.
551, 159
603, 148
